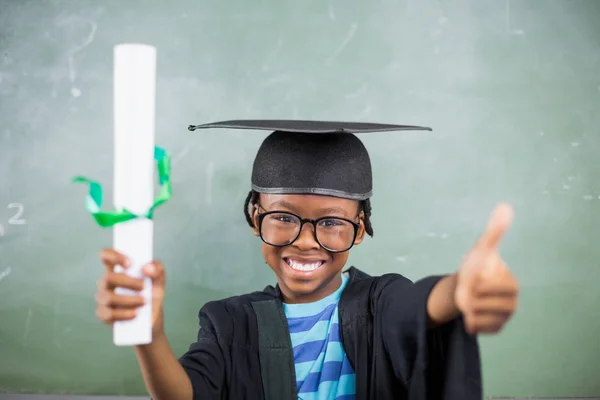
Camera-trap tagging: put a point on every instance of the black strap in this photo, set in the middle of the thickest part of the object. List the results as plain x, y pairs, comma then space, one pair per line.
275, 351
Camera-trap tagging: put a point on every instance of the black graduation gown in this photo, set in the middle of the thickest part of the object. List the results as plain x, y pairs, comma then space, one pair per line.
243, 350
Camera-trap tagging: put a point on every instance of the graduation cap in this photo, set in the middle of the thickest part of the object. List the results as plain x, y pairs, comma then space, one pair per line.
312, 157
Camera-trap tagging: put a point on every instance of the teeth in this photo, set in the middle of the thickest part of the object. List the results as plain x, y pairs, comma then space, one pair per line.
303, 267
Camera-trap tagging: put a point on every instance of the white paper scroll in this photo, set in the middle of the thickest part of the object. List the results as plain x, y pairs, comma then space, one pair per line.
134, 174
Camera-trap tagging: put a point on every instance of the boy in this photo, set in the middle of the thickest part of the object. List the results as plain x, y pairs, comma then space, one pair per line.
324, 332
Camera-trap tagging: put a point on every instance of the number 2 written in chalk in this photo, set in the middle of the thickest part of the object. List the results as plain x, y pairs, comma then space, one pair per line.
16, 218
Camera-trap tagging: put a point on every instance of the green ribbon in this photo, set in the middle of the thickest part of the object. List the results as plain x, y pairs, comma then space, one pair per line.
93, 201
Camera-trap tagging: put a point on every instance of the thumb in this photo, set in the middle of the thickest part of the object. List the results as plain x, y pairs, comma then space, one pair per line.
467, 274
155, 271
498, 224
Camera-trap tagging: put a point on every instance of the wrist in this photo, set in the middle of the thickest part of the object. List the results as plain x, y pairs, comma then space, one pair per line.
159, 338
159, 333
441, 304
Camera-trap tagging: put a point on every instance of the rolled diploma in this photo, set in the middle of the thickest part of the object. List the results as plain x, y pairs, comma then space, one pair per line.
134, 169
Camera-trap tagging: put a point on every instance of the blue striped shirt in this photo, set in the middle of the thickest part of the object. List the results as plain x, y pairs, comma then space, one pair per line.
322, 367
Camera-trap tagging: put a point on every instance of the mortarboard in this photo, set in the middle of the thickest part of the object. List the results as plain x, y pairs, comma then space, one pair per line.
312, 157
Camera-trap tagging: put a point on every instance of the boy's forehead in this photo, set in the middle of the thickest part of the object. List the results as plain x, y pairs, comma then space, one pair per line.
312, 157
309, 205
315, 201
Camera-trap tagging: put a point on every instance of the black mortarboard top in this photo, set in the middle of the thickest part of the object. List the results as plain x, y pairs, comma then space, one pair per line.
312, 157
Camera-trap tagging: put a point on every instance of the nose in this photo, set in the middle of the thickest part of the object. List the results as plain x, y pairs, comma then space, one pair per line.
306, 240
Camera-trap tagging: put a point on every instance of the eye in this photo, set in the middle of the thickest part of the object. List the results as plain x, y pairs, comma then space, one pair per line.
283, 218
330, 223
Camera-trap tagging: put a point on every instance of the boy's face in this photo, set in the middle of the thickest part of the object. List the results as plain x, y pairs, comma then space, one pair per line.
305, 271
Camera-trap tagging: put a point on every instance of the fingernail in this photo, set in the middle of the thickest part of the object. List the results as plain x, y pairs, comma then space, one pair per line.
149, 268
127, 262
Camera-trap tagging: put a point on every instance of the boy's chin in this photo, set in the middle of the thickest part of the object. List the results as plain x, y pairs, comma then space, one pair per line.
307, 291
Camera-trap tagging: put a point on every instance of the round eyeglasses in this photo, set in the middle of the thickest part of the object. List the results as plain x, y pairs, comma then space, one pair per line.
282, 228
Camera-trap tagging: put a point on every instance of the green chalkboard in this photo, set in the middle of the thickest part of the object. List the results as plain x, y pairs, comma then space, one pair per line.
511, 89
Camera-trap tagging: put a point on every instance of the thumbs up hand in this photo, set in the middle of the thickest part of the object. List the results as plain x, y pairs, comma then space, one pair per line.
486, 291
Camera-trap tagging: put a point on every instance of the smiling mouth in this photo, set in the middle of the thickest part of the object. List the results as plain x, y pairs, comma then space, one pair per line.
302, 265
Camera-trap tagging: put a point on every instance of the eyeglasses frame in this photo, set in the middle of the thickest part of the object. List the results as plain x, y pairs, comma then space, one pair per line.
303, 221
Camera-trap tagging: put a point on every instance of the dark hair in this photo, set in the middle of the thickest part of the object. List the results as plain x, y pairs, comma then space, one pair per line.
364, 206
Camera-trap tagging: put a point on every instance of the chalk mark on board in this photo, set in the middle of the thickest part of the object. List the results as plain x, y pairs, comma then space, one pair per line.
509, 29
434, 235
344, 43
179, 156
358, 92
210, 173
16, 219
364, 112
331, 12
5, 273
76, 92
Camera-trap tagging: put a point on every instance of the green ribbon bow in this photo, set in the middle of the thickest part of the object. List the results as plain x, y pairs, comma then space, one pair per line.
93, 201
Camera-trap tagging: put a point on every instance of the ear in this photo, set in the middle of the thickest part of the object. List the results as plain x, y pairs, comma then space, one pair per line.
254, 217
360, 234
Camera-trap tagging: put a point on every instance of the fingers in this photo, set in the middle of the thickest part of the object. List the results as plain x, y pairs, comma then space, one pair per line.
112, 306
489, 315
113, 280
485, 322
489, 303
111, 315
482, 265
487, 292
155, 271
495, 305
483, 258
111, 258
493, 292
498, 224
503, 286
468, 276
110, 299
